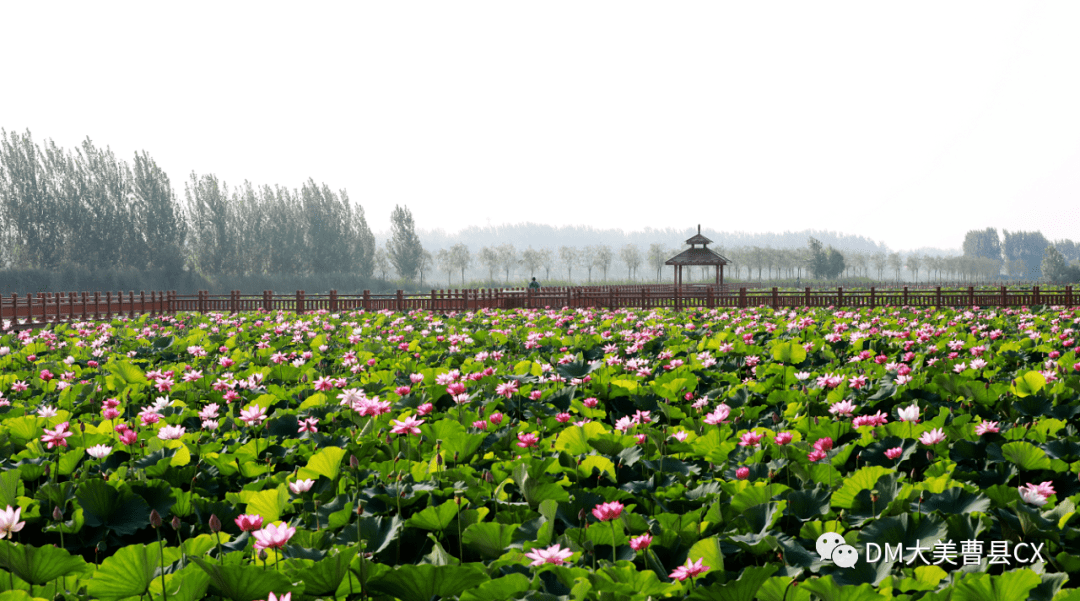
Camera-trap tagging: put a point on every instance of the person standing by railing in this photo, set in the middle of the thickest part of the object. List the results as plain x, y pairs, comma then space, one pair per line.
534, 285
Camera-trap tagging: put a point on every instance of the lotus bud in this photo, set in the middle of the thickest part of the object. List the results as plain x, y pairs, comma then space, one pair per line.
175, 523
215, 523
155, 519
354, 462
57, 514
263, 554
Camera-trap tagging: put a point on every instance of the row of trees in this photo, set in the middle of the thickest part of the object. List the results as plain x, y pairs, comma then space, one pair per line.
85, 208
89, 210
507, 264
1021, 254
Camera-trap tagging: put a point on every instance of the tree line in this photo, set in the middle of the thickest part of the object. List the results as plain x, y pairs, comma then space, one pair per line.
1027, 255
89, 210
86, 209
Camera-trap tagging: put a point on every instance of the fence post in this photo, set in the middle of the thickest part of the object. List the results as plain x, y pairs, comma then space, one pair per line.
906, 303
840, 296
937, 294
1035, 295
709, 297
400, 300
333, 301
775, 299
366, 300
871, 298
806, 296
971, 296
1068, 296
299, 302
742, 298
84, 310
108, 303
1004, 296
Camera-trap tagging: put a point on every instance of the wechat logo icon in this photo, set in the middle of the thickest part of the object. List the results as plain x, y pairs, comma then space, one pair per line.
831, 547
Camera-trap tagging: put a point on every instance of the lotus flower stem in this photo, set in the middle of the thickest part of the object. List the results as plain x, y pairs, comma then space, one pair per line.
614, 547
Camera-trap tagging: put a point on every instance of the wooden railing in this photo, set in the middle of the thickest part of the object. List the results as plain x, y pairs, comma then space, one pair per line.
43, 308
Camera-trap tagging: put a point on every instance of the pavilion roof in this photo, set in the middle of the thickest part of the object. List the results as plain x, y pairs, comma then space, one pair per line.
698, 256
698, 239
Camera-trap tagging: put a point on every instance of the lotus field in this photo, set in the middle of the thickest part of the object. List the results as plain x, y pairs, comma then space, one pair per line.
544, 454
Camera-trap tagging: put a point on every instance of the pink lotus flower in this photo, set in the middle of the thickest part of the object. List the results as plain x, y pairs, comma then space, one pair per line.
689, 570
894, 452
301, 486
592, 402
857, 382
742, 473
480, 424
680, 435
719, 415
986, 427
783, 438
508, 389
909, 414
750, 439
495, 418
308, 425
128, 437
1031, 495
553, 554
402, 390
816, 455
170, 432
416, 378
253, 415
455, 388
527, 439
932, 437
425, 409
285, 597
842, 408
829, 381
641, 438
824, 444
639, 543
249, 521
563, 417
605, 512
57, 436
9, 521
273, 536
878, 419
410, 425
99, 451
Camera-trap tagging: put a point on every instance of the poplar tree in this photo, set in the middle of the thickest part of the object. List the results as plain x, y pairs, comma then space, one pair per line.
404, 245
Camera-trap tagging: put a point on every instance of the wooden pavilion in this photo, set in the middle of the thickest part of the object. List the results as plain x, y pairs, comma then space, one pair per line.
697, 256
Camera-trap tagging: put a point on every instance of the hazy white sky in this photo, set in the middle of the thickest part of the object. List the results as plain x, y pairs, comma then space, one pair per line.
909, 123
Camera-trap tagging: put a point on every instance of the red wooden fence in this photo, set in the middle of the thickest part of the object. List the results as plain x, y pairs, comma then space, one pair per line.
36, 310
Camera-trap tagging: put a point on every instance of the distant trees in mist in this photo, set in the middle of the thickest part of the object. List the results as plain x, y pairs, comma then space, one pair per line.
89, 210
